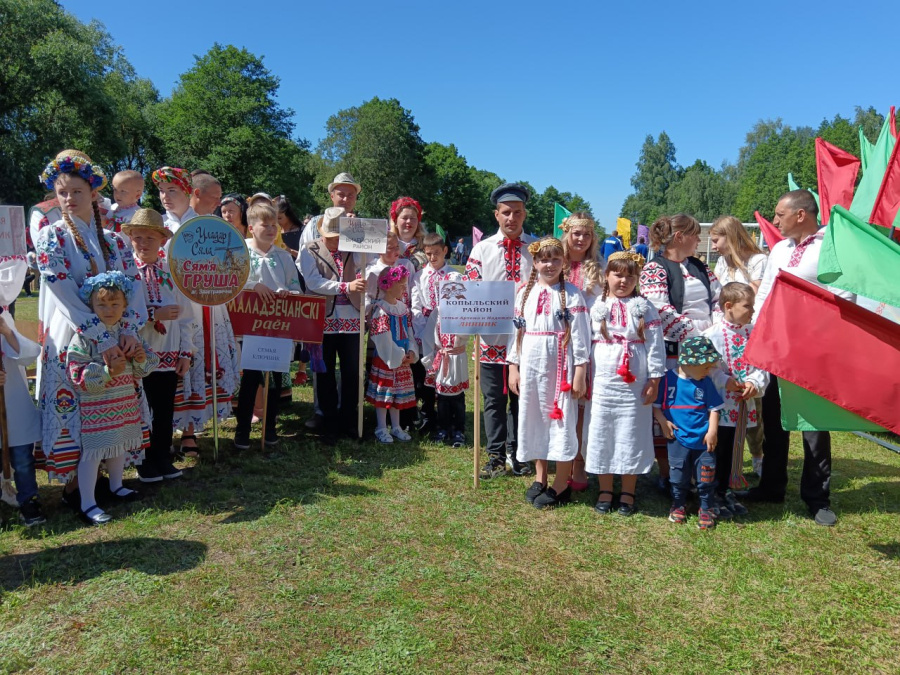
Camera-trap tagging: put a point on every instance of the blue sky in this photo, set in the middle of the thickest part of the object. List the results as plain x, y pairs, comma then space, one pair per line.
556, 93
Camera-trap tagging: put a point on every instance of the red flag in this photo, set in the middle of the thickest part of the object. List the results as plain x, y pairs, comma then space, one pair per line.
831, 347
893, 125
837, 171
770, 232
887, 203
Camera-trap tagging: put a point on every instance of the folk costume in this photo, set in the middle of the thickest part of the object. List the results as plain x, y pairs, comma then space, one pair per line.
390, 383
68, 252
620, 439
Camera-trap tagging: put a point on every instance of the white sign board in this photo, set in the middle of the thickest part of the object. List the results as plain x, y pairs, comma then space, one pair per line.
13, 263
363, 235
267, 354
477, 307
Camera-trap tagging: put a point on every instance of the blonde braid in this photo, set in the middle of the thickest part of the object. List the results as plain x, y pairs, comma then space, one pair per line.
562, 302
101, 239
79, 242
531, 281
604, 331
640, 330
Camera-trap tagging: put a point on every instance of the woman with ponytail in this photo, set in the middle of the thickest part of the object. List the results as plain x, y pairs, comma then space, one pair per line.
548, 371
68, 252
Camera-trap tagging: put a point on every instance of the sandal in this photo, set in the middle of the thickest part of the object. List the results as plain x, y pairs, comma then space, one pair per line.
190, 450
603, 506
624, 508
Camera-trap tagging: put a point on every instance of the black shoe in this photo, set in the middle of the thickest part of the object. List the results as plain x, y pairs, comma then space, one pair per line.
148, 473
315, 423
603, 507
520, 468
459, 439
241, 441
550, 498
755, 495
168, 470
72, 499
493, 469
93, 515
534, 492
624, 508
30, 513
823, 516
123, 494
439, 436
271, 439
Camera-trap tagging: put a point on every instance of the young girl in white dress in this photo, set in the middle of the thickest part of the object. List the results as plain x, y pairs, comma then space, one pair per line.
629, 360
548, 359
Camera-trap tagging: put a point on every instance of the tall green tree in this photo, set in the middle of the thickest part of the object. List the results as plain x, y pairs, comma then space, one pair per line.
456, 202
540, 208
703, 192
224, 117
657, 171
379, 143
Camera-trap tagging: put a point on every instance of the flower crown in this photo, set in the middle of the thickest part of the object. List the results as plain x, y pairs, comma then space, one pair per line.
570, 222
391, 276
72, 162
171, 174
113, 279
637, 258
536, 247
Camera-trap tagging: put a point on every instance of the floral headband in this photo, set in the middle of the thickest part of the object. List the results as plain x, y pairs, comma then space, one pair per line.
570, 222
73, 162
391, 276
113, 279
405, 203
536, 247
637, 258
170, 174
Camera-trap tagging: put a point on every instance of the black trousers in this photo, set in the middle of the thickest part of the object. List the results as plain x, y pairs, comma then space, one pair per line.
159, 387
451, 412
815, 481
724, 450
250, 383
346, 347
501, 411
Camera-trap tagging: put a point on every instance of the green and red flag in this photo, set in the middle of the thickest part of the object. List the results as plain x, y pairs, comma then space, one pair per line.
560, 213
870, 183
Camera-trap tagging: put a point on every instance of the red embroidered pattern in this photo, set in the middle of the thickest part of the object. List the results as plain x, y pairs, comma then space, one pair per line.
543, 303
341, 325
799, 250
380, 324
617, 314
473, 269
575, 274
512, 257
493, 354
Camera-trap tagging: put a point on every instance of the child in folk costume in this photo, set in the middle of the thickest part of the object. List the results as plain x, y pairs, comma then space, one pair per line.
580, 242
69, 251
390, 379
741, 384
272, 273
128, 186
629, 360
109, 398
194, 407
548, 359
171, 332
443, 355
23, 421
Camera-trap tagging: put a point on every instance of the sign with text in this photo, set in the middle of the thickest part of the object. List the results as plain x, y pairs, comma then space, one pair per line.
291, 316
267, 354
13, 264
209, 260
363, 235
477, 307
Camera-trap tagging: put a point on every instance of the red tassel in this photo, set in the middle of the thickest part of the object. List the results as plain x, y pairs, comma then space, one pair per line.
565, 386
625, 372
159, 327
557, 412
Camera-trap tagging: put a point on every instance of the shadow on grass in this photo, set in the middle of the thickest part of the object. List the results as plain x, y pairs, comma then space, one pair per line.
79, 562
890, 549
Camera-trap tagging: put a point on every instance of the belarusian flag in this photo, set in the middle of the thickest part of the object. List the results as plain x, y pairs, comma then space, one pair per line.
836, 169
830, 347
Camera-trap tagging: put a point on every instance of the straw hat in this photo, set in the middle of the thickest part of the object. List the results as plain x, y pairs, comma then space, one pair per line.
146, 219
330, 223
345, 178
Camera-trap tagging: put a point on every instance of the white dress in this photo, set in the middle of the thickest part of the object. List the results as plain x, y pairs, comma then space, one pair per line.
620, 438
62, 312
546, 373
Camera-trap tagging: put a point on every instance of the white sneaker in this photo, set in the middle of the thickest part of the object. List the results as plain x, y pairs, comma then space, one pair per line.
400, 435
383, 435
757, 465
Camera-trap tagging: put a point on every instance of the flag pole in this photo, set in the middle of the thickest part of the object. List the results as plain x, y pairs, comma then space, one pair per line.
477, 449
262, 440
215, 398
362, 364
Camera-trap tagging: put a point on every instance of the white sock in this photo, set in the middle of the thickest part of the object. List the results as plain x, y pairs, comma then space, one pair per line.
87, 481
395, 418
381, 418
116, 468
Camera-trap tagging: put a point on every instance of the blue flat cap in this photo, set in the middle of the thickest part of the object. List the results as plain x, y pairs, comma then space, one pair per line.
510, 192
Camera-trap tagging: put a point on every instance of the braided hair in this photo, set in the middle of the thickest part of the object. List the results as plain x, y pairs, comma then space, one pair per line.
82, 246
539, 249
628, 267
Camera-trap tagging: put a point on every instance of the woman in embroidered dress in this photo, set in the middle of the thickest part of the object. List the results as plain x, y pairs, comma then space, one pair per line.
581, 244
548, 359
69, 251
740, 259
629, 360
174, 186
390, 379
109, 393
684, 292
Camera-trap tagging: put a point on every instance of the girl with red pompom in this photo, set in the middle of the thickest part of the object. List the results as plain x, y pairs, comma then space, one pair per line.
548, 362
629, 359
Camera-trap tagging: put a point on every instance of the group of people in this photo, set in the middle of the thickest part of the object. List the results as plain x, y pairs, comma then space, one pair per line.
613, 366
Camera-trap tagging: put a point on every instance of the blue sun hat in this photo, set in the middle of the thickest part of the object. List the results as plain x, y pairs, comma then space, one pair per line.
114, 279
697, 351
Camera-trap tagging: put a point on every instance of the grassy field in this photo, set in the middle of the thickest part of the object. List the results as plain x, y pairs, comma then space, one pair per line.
364, 558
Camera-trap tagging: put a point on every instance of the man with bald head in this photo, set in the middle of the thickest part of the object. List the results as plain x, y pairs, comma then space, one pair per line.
798, 253
206, 194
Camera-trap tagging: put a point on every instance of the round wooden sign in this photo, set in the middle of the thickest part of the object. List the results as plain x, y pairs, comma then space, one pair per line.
209, 260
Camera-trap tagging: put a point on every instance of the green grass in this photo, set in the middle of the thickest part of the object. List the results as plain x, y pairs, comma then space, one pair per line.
383, 559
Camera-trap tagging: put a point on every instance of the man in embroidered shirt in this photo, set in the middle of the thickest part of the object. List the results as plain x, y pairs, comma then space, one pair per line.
501, 257
798, 254
343, 191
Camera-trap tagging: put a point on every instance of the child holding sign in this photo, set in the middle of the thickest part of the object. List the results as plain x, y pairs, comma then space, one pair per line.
548, 360
390, 380
272, 273
108, 393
